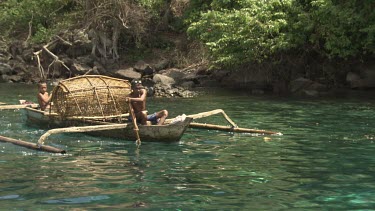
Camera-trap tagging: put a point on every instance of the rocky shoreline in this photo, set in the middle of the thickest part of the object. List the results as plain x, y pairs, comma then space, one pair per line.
64, 58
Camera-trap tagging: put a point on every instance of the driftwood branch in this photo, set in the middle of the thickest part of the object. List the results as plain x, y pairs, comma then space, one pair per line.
79, 130
55, 58
30, 29
64, 41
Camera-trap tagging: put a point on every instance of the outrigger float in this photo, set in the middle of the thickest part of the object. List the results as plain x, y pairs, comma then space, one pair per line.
96, 105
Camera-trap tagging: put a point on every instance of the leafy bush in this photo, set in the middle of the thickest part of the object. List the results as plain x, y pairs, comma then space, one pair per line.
243, 31
43, 15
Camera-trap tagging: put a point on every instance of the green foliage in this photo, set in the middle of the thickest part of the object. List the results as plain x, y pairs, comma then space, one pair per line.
252, 32
343, 29
43, 15
242, 31
153, 5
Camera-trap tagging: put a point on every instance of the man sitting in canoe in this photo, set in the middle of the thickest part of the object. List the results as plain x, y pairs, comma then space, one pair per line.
43, 97
138, 101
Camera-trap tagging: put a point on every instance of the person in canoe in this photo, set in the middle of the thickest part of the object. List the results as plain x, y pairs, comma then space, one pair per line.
43, 97
137, 99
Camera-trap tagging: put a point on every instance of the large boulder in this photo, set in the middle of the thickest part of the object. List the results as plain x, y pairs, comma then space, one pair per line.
128, 73
163, 79
303, 86
174, 73
364, 80
140, 66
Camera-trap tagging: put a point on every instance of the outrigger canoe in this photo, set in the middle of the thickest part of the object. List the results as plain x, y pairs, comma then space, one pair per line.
170, 132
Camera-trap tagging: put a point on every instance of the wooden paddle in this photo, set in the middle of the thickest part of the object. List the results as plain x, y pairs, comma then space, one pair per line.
136, 129
4, 107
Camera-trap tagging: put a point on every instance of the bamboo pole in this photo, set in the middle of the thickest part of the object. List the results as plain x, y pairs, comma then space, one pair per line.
4, 107
231, 129
31, 145
209, 113
136, 129
79, 130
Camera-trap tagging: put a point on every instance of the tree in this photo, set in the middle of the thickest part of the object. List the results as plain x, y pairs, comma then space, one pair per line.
106, 20
243, 31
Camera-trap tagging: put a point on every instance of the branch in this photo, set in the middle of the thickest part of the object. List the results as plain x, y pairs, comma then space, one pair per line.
55, 58
30, 28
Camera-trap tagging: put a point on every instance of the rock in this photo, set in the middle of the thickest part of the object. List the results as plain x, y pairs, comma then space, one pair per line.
78, 68
77, 49
128, 73
174, 73
100, 67
4, 78
353, 79
257, 91
140, 66
300, 84
317, 87
161, 64
5, 68
303, 86
162, 79
148, 82
219, 75
311, 93
364, 81
27, 55
145, 69
15, 78
369, 78
87, 60
188, 84
168, 91
280, 87
148, 72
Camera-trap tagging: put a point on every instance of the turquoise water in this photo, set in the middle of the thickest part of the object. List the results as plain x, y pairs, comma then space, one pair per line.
324, 161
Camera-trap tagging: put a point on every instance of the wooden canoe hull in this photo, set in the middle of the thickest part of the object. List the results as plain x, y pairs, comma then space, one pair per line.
164, 133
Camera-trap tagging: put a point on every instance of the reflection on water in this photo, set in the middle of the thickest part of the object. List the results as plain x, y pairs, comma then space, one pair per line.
324, 160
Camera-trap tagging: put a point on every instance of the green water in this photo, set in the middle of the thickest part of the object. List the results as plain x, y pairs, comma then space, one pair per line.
324, 161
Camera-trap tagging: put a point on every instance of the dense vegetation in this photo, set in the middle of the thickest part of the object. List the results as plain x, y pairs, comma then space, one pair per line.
238, 31
235, 32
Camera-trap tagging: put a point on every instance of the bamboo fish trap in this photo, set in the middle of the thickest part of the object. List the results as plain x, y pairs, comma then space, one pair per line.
91, 96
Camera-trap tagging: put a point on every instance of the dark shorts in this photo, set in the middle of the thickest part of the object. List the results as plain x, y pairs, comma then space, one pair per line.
151, 117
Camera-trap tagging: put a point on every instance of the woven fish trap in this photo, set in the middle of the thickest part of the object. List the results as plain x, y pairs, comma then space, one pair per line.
91, 96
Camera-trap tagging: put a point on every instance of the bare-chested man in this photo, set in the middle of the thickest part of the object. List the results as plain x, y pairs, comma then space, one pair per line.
138, 101
43, 97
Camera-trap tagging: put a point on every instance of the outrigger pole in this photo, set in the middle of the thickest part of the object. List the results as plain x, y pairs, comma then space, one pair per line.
232, 128
32, 145
5, 107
